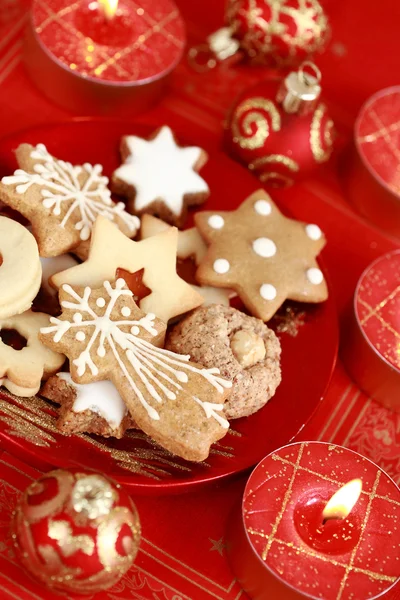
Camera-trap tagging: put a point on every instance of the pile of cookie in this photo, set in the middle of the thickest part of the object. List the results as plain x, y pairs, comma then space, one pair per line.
123, 333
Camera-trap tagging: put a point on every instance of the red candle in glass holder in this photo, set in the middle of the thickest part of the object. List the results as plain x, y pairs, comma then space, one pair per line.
97, 56
283, 546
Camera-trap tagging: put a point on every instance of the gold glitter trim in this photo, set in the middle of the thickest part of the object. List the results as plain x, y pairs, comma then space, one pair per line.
356, 547
254, 109
68, 543
286, 499
319, 153
324, 558
291, 164
330, 479
35, 422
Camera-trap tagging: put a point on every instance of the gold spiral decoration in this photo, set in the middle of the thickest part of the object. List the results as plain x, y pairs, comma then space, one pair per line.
276, 179
253, 110
320, 153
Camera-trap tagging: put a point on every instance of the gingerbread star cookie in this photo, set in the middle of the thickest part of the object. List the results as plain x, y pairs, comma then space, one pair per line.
90, 408
263, 255
106, 336
190, 247
111, 250
160, 177
61, 201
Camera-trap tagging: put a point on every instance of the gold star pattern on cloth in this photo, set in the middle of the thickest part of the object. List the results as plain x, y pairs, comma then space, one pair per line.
107, 337
62, 201
264, 256
111, 250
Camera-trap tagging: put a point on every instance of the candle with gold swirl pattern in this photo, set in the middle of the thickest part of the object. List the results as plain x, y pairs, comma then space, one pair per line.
76, 531
281, 136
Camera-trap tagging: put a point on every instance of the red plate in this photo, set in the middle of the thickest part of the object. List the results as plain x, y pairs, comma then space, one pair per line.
27, 426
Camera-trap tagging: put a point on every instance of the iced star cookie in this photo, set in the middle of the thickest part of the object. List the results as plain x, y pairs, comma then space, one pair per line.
191, 247
111, 250
20, 269
264, 256
160, 177
91, 408
107, 337
243, 348
22, 367
61, 201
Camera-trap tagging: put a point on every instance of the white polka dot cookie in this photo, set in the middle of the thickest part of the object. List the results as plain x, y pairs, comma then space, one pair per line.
160, 177
264, 256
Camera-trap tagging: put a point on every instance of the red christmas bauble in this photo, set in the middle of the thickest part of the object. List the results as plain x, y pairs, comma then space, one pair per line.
282, 31
76, 531
280, 148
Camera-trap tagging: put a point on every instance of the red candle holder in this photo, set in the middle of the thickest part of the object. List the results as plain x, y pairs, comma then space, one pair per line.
371, 344
279, 546
90, 63
370, 171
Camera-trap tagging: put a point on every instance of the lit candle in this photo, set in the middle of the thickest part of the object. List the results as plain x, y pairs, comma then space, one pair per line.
95, 56
307, 531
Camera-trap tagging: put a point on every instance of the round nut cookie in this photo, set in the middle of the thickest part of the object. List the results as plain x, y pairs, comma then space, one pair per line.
244, 349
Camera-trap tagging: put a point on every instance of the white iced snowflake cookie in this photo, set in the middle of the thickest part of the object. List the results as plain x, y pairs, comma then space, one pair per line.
106, 336
160, 177
61, 200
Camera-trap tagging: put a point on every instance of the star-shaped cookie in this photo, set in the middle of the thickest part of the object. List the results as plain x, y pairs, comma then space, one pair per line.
107, 337
159, 176
111, 250
263, 255
61, 201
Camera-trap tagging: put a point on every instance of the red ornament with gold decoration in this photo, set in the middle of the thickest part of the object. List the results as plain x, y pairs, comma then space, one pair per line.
282, 132
76, 531
282, 31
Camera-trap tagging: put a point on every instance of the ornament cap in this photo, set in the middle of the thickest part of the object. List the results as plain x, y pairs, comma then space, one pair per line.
301, 89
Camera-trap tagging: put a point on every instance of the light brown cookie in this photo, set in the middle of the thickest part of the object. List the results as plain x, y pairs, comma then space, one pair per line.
160, 177
106, 336
90, 408
243, 348
20, 268
61, 201
191, 247
111, 250
22, 369
263, 255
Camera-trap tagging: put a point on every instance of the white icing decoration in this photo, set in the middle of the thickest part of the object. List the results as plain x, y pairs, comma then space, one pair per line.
142, 356
53, 265
61, 191
216, 221
313, 232
315, 276
160, 170
263, 207
264, 247
100, 397
80, 336
221, 266
100, 302
125, 311
268, 291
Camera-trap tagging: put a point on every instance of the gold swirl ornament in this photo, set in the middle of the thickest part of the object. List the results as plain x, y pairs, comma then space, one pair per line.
275, 178
322, 135
258, 112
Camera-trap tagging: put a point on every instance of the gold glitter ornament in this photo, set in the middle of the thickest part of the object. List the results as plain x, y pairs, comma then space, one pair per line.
75, 531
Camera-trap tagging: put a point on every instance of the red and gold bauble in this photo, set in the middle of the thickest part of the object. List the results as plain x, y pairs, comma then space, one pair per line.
282, 31
282, 132
76, 531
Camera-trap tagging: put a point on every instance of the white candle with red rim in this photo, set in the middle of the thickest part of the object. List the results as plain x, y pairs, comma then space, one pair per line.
95, 56
295, 539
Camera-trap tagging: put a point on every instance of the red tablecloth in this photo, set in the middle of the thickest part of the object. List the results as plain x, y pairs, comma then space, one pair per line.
183, 552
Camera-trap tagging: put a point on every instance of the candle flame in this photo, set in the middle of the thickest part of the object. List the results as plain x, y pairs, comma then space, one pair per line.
343, 501
109, 7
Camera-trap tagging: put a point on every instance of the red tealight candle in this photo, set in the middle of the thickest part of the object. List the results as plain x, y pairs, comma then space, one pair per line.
94, 56
303, 533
